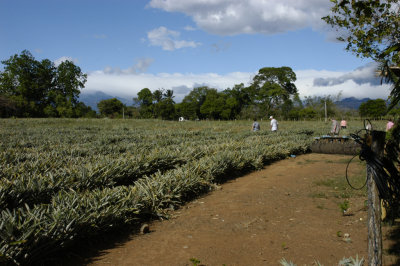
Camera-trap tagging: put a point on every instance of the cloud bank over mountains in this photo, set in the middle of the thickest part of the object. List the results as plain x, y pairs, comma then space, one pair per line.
125, 83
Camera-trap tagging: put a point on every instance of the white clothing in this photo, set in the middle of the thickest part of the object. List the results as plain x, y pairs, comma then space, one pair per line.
274, 124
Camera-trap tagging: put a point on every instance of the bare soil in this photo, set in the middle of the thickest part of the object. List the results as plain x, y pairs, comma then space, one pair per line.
279, 212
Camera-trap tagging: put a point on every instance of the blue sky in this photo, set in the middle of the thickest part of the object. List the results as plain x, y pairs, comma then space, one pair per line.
125, 46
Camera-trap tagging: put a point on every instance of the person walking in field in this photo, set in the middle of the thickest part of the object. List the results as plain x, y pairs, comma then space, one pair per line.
389, 124
274, 124
335, 127
255, 126
343, 124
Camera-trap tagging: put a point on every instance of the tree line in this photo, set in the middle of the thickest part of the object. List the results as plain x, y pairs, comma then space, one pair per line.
271, 92
32, 88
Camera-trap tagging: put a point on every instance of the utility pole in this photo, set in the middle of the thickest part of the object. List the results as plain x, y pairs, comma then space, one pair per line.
326, 113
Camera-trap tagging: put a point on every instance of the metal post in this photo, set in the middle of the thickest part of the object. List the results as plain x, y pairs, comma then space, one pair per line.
326, 113
374, 204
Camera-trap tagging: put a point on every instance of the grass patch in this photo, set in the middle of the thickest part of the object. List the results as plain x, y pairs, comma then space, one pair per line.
307, 161
340, 161
319, 195
339, 188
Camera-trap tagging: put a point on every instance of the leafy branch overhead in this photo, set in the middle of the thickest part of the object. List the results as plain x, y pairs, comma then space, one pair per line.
371, 29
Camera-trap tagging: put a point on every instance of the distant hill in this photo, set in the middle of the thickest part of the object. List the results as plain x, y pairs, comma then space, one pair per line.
93, 98
351, 103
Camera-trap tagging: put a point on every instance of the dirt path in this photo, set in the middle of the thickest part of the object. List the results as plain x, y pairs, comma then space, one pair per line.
258, 219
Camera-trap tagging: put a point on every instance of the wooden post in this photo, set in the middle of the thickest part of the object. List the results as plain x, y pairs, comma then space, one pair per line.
374, 204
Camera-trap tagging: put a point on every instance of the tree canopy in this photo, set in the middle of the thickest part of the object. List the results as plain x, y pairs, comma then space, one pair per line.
373, 108
272, 88
110, 107
32, 88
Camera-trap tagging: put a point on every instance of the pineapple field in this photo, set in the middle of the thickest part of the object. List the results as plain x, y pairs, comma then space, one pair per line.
68, 180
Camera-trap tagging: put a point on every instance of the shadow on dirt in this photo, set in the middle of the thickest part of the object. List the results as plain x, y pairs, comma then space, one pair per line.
394, 237
83, 252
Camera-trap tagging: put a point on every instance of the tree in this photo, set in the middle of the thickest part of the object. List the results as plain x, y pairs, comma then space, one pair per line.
164, 106
82, 110
158, 95
373, 108
237, 99
186, 110
317, 104
271, 87
213, 105
194, 100
111, 107
20, 82
145, 102
38, 88
167, 108
372, 30
7, 107
169, 94
69, 81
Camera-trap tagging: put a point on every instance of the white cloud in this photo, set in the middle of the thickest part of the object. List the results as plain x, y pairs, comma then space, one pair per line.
189, 28
141, 66
126, 84
168, 39
58, 61
230, 17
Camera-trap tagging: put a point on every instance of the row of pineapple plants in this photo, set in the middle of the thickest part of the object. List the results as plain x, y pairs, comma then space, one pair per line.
29, 234
35, 180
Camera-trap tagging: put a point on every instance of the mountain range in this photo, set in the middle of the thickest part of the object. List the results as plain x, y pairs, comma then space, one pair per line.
350, 103
93, 98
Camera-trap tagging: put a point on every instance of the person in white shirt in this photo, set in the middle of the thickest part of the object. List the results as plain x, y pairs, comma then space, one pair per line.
274, 124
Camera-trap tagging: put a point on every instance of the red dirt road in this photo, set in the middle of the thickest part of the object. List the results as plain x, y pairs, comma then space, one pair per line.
257, 219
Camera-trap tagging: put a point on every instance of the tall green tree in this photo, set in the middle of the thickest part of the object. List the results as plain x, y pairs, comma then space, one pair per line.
110, 107
158, 95
38, 88
237, 98
213, 105
194, 100
373, 108
186, 110
272, 87
69, 81
145, 103
164, 107
20, 82
168, 111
